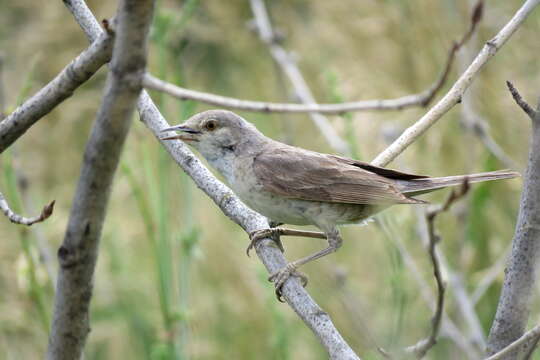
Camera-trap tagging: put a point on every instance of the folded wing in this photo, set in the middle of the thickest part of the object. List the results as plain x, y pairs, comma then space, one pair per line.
300, 174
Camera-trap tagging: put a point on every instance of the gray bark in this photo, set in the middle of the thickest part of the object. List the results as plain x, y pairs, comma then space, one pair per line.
78, 254
60, 88
519, 281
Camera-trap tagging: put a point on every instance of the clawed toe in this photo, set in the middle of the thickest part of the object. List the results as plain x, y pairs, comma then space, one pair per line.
281, 276
258, 235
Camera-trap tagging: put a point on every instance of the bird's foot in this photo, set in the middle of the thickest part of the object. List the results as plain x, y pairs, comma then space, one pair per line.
258, 235
281, 276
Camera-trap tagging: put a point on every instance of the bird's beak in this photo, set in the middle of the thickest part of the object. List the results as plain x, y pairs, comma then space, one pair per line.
189, 133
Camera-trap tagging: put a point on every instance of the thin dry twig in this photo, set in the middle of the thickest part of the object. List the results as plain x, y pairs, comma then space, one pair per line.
290, 69
268, 37
519, 100
423, 346
18, 219
453, 96
448, 327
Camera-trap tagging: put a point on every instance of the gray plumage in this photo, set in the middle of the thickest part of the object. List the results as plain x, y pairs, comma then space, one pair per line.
291, 185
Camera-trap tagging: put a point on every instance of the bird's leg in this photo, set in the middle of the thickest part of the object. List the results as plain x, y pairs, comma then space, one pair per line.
280, 277
275, 233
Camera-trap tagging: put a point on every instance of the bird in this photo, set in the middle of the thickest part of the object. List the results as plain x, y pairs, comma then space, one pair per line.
292, 185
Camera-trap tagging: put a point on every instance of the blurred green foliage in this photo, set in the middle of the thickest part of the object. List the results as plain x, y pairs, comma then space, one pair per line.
172, 280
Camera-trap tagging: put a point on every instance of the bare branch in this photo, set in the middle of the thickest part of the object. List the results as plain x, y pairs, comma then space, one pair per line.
18, 219
266, 34
519, 100
423, 346
522, 341
293, 292
454, 95
448, 327
78, 253
289, 67
520, 274
59, 89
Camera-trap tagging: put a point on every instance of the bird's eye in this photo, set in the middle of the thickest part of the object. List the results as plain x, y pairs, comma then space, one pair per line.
210, 125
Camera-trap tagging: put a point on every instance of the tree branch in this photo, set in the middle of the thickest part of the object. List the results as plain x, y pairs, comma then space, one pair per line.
293, 292
18, 219
266, 33
454, 95
56, 91
519, 100
78, 253
522, 341
520, 275
288, 66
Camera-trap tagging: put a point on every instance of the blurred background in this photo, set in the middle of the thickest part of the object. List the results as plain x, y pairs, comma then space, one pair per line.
172, 280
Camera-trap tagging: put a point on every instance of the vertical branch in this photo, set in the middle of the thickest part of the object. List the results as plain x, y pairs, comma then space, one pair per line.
78, 253
519, 281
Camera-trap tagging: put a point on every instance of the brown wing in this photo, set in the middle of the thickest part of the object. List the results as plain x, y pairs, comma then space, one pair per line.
301, 174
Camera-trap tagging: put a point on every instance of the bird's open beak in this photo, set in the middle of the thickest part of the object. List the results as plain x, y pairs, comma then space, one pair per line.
189, 133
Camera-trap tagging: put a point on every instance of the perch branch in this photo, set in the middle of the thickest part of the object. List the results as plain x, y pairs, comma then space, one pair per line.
520, 274
78, 253
56, 91
423, 346
454, 95
295, 295
293, 292
18, 219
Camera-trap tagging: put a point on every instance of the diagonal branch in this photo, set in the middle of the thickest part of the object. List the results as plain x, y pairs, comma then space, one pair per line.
296, 296
78, 253
18, 219
453, 96
59, 89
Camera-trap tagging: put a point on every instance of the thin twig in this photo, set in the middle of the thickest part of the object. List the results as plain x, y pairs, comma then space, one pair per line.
18, 219
519, 100
523, 340
266, 34
296, 296
423, 346
79, 251
60, 88
454, 95
288, 66
448, 328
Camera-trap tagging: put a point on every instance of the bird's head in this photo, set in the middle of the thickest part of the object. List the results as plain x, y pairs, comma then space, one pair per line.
215, 133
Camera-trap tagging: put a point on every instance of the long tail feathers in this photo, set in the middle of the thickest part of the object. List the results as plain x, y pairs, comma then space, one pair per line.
421, 186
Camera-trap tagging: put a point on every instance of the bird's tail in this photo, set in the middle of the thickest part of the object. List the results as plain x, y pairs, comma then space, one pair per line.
421, 186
